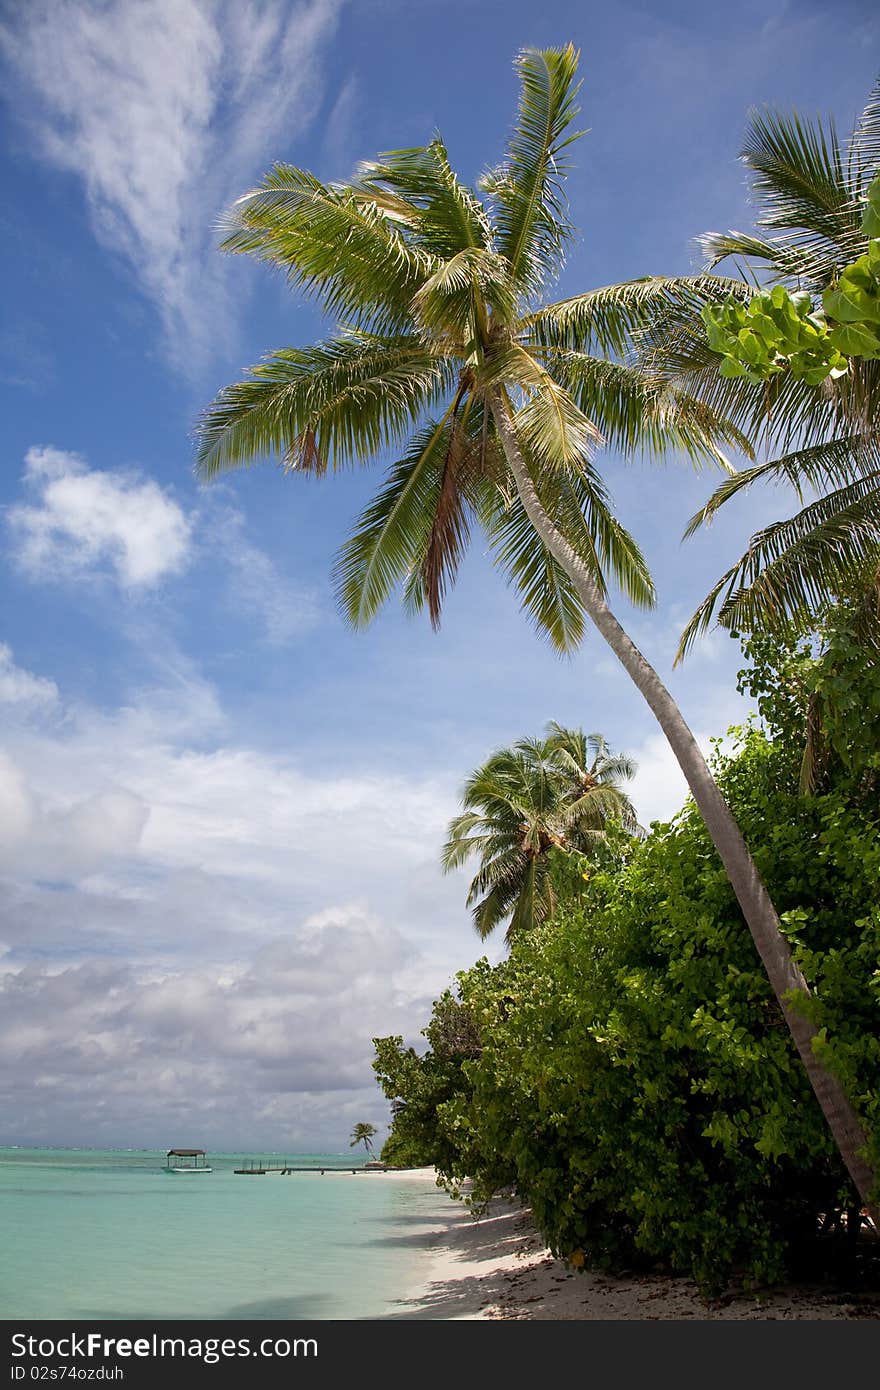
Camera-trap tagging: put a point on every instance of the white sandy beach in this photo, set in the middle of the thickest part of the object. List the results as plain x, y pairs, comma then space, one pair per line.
498, 1268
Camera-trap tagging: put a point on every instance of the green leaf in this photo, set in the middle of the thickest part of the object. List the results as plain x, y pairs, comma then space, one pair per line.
871, 219
852, 302
731, 368
857, 340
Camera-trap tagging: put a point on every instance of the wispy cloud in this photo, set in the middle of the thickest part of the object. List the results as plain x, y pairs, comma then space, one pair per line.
166, 109
256, 587
21, 688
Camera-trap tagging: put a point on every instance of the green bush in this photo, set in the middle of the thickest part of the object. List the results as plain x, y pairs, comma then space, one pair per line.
628, 1068
640, 1079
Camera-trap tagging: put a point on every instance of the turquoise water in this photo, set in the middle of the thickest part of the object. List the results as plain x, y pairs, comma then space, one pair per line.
89, 1234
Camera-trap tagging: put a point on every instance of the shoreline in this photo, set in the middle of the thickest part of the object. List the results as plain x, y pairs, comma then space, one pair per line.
498, 1268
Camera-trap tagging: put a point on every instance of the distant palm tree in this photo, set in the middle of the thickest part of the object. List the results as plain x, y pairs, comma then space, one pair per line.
446, 343
363, 1134
542, 794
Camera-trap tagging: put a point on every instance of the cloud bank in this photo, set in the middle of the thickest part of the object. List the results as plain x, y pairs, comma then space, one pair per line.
200, 933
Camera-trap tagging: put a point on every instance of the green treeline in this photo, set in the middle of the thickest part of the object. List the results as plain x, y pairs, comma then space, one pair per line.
626, 1069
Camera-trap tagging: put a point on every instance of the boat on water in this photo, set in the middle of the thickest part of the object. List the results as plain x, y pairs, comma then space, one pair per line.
187, 1161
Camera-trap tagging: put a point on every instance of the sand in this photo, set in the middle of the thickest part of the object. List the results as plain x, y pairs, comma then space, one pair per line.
498, 1268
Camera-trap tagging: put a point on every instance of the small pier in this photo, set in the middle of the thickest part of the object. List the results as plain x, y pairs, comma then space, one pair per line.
258, 1167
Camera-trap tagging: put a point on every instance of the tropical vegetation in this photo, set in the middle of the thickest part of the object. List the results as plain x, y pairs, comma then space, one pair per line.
626, 1070
494, 399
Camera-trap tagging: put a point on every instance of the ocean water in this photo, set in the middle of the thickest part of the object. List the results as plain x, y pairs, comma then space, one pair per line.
88, 1234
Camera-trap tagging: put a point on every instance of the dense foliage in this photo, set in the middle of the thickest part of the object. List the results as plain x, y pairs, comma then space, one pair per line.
779, 331
633, 1076
773, 332
421, 1086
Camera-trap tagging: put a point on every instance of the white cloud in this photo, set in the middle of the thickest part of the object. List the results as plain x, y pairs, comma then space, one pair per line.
16, 805
21, 688
659, 788
251, 820
86, 517
164, 109
86, 520
340, 132
51, 837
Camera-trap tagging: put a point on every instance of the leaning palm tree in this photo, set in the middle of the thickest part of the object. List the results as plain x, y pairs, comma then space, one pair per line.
823, 441
524, 802
499, 399
363, 1134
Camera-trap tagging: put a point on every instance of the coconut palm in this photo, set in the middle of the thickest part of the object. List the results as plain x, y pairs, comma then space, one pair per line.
541, 795
495, 401
809, 189
363, 1134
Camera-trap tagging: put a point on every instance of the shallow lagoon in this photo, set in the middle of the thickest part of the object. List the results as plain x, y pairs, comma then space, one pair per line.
90, 1234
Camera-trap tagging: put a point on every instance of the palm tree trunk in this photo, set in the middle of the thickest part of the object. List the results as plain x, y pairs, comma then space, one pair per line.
785, 976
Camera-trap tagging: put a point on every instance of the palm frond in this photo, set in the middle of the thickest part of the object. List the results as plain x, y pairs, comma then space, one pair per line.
598, 805
444, 216
451, 304
335, 403
617, 769
394, 534
792, 568
450, 529
612, 318
496, 905
721, 246
798, 176
549, 421
637, 413
546, 592
832, 464
864, 145
577, 500
506, 864
336, 244
530, 209
535, 901
806, 193
584, 511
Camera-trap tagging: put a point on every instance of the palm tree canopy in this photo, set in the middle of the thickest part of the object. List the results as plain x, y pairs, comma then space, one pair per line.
557, 793
363, 1134
809, 188
437, 290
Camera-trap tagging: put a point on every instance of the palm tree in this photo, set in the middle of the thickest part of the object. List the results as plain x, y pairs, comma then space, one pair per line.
363, 1134
809, 189
524, 802
502, 400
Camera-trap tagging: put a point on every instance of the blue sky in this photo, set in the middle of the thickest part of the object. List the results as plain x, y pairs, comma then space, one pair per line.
220, 809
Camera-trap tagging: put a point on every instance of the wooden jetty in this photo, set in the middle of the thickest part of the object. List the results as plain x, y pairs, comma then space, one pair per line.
258, 1167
